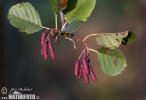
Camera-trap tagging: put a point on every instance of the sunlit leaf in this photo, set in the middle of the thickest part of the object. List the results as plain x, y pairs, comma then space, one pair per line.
25, 17
71, 5
112, 61
79, 10
114, 40
54, 5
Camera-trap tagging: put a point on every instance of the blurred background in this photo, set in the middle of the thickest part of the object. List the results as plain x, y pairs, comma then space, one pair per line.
21, 64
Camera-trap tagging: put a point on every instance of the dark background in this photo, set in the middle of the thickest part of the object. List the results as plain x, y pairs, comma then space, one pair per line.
21, 64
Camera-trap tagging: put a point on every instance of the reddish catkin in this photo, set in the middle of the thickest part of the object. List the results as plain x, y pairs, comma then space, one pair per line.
51, 49
45, 51
92, 74
76, 67
85, 64
43, 36
80, 73
85, 76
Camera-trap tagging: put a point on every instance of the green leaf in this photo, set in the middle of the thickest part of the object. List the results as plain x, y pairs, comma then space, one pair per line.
71, 5
112, 61
25, 17
53, 5
114, 40
72, 27
79, 10
131, 37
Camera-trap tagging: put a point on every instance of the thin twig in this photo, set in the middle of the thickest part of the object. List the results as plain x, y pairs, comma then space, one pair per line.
89, 36
47, 38
62, 18
93, 50
46, 28
85, 43
70, 39
64, 26
56, 21
82, 53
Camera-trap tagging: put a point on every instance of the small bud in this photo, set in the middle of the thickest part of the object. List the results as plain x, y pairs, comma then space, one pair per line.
51, 49
43, 36
92, 74
80, 73
63, 4
86, 78
76, 67
85, 65
44, 50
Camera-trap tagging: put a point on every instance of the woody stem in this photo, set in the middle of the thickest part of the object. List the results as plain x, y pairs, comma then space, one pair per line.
85, 43
89, 36
93, 50
82, 53
56, 21
46, 28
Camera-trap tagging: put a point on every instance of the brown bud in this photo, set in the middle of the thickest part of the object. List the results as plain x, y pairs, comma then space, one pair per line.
63, 4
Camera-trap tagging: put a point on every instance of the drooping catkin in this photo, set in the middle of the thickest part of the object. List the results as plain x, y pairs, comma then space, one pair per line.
45, 50
85, 65
43, 37
92, 74
51, 49
76, 67
80, 73
85, 76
